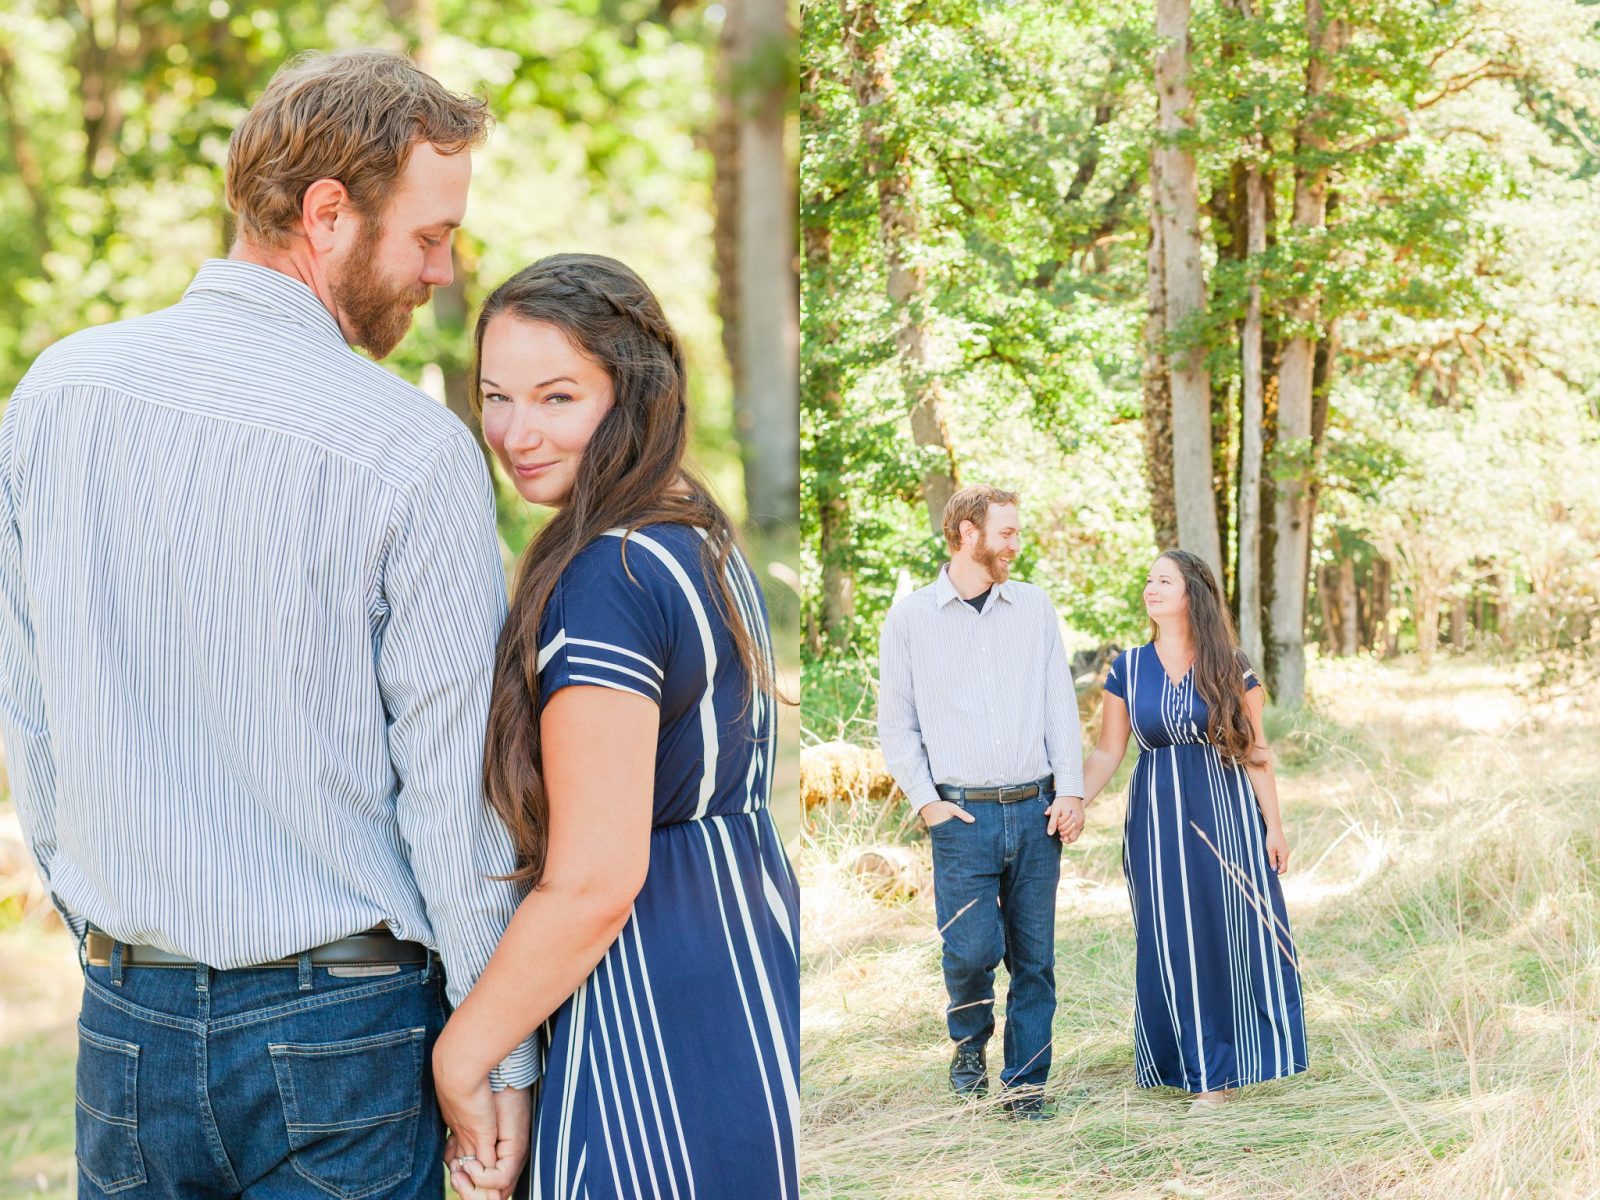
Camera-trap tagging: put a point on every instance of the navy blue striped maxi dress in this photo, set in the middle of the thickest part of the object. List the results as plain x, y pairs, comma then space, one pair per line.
673, 1071
1217, 997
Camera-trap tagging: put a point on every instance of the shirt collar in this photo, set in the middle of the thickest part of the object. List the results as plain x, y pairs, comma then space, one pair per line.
944, 591
268, 289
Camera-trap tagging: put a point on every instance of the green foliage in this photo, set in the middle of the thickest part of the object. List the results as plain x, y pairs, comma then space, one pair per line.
1456, 273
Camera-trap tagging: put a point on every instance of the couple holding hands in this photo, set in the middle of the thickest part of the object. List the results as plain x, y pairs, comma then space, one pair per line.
355, 855
979, 726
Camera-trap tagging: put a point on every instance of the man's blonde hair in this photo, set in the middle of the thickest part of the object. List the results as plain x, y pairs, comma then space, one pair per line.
971, 504
354, 116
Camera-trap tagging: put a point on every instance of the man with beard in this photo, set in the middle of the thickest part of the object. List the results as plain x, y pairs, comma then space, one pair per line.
250, 590
979, 726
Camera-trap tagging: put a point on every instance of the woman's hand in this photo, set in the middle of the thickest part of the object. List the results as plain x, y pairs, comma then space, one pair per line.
455, 1158
471, 1179
467, 1106
1277, 850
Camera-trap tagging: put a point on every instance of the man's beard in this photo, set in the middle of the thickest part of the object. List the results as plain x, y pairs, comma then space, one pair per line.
377, 312
988, 557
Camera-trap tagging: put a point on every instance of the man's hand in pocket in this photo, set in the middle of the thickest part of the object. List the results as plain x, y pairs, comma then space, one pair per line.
937, 812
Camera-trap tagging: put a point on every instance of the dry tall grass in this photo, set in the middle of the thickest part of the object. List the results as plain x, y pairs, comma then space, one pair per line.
1445, 897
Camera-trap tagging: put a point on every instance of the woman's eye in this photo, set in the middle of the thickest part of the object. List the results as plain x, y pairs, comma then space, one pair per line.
492, 397
558, 398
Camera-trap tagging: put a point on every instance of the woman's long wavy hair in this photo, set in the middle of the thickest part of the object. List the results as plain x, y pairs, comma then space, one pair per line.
631, 474
1219, 664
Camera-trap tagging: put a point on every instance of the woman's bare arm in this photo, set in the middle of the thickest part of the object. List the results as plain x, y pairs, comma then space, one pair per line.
1109, 750
1265, 783
599, 752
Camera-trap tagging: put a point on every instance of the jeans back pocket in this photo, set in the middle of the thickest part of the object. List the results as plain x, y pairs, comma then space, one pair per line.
351, 1109
106, 1135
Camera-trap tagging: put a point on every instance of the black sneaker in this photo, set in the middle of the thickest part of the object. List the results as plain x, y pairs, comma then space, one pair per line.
969, 1071
1028, 1105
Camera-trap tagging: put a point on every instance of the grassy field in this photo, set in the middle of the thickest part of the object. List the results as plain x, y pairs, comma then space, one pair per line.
1445, 896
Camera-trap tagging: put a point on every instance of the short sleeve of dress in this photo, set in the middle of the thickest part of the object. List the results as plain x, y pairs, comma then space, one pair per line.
1116, 684
604, 625
1250, 680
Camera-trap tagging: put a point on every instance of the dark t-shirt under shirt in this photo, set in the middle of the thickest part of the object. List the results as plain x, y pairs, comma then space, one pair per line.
977, 601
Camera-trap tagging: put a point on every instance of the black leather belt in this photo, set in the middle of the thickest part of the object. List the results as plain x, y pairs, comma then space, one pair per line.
1009, 794
373, 947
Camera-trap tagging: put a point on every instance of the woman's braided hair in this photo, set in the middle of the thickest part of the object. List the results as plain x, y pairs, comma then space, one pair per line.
631, 474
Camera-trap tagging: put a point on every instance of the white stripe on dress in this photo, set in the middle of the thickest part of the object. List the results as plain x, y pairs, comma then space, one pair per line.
708, 705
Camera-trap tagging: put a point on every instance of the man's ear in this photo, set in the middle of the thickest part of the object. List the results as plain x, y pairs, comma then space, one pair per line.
967, 527
324, 203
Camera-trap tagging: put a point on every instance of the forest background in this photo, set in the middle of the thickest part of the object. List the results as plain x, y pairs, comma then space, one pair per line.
1030, 259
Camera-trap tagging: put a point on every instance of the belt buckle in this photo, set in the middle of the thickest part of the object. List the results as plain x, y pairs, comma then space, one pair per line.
1001, 793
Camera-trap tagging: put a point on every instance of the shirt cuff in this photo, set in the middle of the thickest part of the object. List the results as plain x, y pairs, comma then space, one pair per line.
519, 1069
921, 798
1068, 785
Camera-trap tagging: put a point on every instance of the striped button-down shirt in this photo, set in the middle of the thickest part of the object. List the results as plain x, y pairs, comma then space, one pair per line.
976, 699
249, 594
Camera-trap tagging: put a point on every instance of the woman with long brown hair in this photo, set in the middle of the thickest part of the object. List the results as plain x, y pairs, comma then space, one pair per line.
630, 753
1217, 997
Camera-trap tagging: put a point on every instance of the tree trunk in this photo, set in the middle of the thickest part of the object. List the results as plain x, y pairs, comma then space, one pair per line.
722, 139
888, 164
1227, 220
102, 66
1460, 632
820, 377
1328, 608
1176, 206
1157, 389
1428, 602
1504, 627
1292, 504
1380, 638
1349, 640
766, 369
1249, 577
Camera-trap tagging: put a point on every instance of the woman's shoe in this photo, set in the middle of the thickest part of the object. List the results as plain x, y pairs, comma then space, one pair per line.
1207, 1103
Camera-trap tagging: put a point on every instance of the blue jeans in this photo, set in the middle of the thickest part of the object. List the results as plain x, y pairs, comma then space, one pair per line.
994, 892
265, 1082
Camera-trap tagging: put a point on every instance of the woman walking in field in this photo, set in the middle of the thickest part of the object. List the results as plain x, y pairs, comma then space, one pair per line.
1217, 1002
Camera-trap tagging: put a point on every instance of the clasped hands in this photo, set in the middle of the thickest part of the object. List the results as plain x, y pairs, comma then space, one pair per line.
1064, 818
489, 1131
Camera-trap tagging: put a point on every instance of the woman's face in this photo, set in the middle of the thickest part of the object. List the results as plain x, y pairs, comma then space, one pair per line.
1165, 594
542, 399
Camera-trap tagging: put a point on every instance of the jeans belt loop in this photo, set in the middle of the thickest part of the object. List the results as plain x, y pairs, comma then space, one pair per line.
116, 964
304, 966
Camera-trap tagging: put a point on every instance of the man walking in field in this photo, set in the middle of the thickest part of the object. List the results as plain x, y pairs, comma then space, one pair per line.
979, 726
